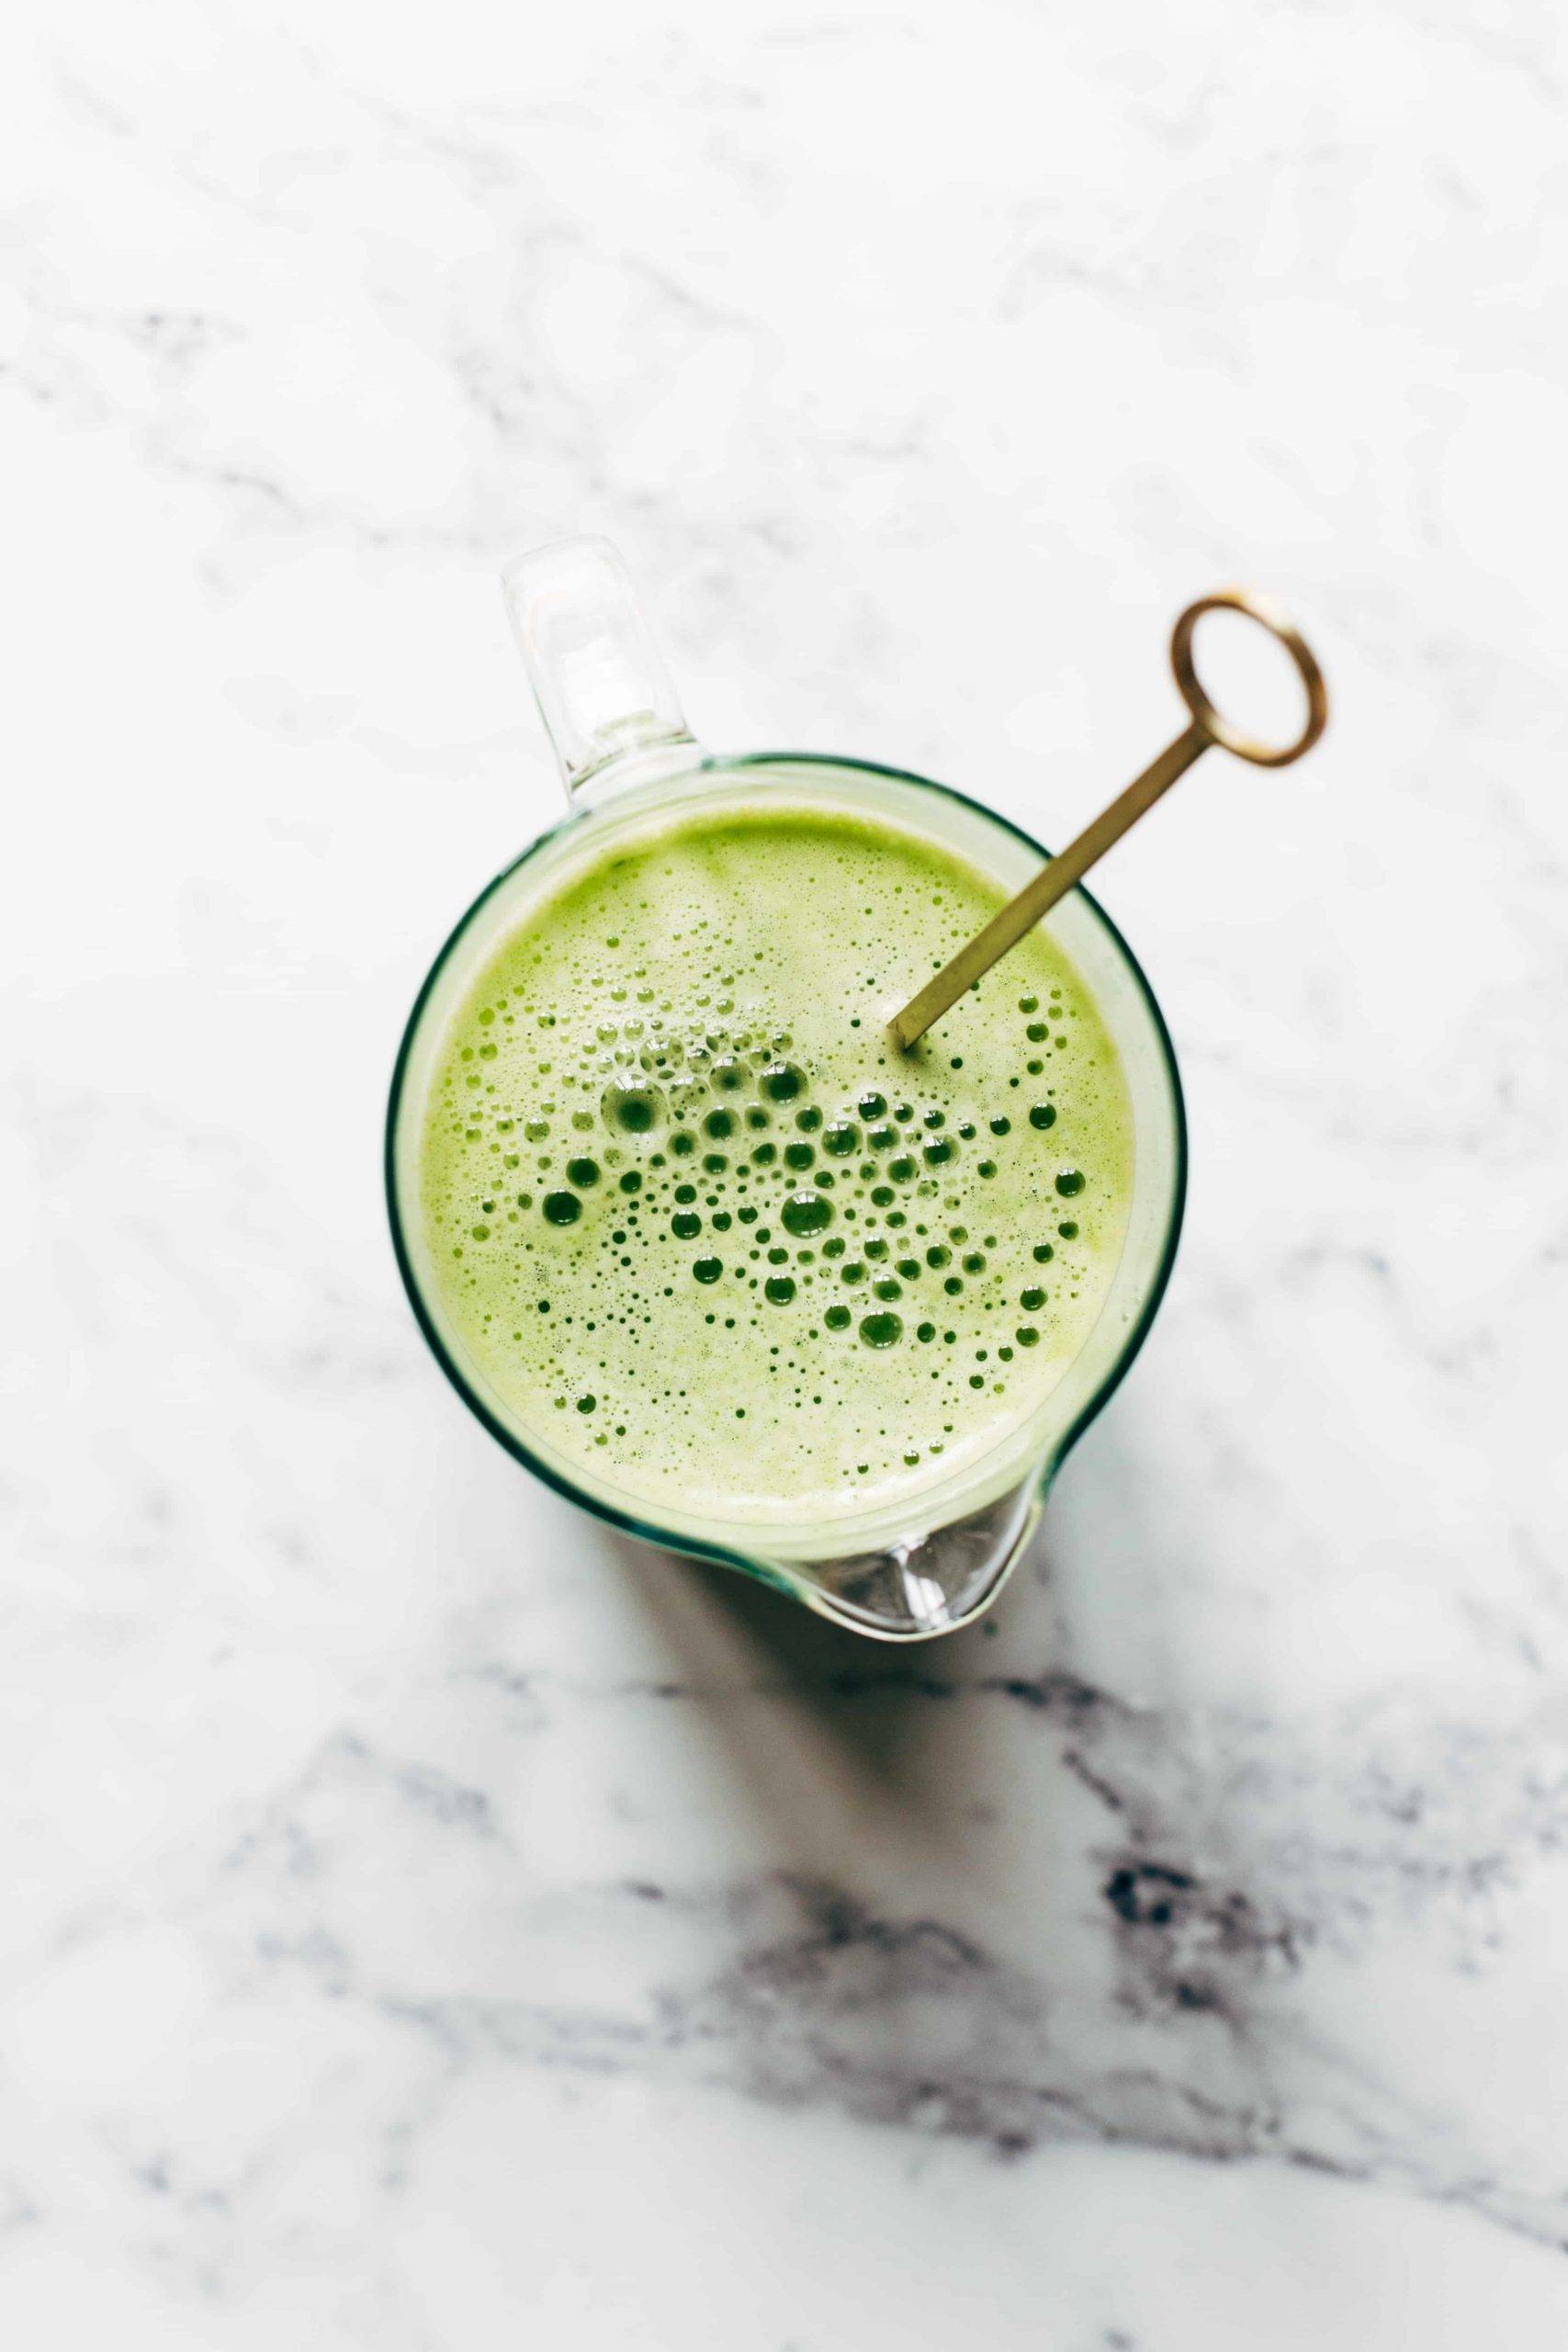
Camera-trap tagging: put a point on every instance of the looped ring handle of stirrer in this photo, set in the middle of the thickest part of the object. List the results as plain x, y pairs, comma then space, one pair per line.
1056, 879
1216, 726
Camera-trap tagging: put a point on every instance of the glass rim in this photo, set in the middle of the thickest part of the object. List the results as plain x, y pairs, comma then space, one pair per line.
631, 1522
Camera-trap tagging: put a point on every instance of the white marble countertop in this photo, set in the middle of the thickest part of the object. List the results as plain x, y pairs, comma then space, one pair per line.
432, 1922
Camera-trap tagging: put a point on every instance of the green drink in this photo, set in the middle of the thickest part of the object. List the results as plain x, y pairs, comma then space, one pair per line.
705, 1234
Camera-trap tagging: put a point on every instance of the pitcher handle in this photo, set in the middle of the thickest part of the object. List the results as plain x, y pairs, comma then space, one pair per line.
600, 685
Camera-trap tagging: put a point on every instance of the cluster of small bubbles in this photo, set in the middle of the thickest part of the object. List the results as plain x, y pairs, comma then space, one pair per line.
652, 1165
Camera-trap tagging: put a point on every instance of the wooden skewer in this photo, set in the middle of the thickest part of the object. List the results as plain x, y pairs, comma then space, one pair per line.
1036, 898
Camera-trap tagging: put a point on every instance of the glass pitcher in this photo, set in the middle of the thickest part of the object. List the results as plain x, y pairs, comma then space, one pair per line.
932, 1561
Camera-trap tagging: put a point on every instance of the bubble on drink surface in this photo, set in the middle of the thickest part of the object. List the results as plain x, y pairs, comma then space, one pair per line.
781, 1082
631, 1106
807, 1212
883, 1330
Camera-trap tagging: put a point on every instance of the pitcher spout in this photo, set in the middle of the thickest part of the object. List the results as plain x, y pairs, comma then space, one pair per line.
922, 1585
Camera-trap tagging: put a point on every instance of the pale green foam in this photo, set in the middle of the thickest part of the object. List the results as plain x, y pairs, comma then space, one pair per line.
642, 1229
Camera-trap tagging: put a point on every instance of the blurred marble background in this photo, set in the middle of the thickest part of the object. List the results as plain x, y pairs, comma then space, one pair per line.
432, 1920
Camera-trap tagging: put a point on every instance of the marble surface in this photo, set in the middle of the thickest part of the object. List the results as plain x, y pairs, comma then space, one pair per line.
433, 1922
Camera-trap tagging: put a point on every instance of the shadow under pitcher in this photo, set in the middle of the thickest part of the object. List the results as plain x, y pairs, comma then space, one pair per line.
691, 1235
